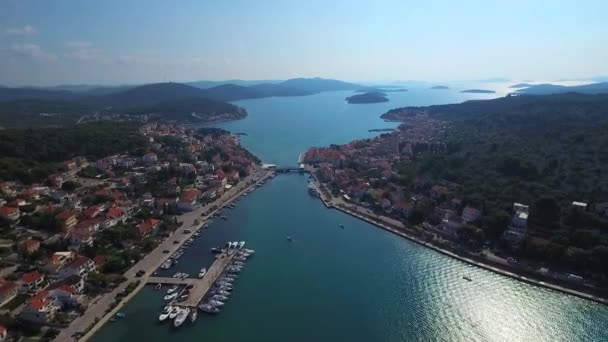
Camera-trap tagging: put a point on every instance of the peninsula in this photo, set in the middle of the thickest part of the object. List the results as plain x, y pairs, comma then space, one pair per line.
454, 179
371, 97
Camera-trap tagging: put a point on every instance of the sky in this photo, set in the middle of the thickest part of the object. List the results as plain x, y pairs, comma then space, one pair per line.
44, 42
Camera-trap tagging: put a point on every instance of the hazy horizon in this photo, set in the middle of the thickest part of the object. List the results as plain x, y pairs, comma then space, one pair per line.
135, 42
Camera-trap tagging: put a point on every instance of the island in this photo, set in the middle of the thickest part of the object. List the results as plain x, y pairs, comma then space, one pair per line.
440, 87
371, 97
478, 91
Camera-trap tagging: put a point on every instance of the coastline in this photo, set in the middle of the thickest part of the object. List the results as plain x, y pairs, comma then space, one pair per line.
500, 269
154, 259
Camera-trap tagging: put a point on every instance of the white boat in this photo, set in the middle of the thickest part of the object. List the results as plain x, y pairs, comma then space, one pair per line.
219, 297
174, 311
181, 317
171, 296
202, 272
208, 308
172, 289
241, 244
193, 315
165, 313
215, 303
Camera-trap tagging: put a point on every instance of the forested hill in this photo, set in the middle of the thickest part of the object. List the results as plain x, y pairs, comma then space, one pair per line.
168, 101
544, 151
32, 154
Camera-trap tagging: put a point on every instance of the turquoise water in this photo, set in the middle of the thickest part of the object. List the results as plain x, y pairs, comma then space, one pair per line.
280, 128
354, 284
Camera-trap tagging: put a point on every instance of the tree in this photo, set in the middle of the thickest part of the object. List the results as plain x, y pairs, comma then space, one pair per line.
70, 186
546, 211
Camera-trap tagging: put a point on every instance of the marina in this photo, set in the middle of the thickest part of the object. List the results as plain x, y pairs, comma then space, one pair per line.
208, 292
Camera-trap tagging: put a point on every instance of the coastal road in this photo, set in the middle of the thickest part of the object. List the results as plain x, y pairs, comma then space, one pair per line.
151, 262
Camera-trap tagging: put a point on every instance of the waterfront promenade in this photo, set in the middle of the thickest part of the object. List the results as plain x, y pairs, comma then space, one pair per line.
398, 228
100, 310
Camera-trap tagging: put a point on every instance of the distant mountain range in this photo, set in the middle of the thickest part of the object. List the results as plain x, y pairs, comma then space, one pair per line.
33, 106
547, 89
478, 91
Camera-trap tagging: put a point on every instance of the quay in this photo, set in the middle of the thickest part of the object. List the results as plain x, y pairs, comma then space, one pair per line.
200, 287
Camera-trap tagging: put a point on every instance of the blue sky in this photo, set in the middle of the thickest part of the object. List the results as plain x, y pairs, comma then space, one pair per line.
131, 41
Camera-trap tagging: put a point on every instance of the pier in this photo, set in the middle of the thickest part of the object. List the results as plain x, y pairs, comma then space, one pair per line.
200, 287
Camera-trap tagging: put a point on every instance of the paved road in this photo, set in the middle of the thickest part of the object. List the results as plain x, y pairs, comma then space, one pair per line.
151, 261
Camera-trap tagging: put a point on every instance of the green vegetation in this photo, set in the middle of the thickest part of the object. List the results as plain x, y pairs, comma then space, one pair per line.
546, 151
30, 155
370, 97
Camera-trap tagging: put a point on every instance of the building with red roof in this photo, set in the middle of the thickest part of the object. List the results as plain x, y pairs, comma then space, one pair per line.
3, 333
81, 266
147, 227
31, 246
67, 220
187, 200
32, 282
10, 213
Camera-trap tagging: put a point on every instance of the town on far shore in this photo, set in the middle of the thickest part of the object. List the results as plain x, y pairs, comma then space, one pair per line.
68, 240
371, 178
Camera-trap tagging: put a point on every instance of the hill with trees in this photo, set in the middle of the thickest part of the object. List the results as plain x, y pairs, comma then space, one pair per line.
30, 155
547, 89
168, 101
545, 151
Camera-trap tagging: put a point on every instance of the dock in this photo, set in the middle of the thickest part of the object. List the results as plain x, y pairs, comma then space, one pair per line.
200, 287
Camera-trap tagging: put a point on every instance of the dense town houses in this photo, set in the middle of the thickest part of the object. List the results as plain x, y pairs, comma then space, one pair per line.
75, 234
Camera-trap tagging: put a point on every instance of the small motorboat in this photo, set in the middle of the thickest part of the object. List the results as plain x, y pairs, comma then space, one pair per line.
202, 272
165, 313
183, 298
158, 286
342, 226
241, 244
171, 296
289, 238
216, 250
219, 297
174, 311
193, 315
208, 309
120, 315
215, 303
181, 317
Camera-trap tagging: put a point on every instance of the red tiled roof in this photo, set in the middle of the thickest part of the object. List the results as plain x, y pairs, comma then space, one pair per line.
32, 244
40, 300
91, 211
7, 210
31, 277
65, 215
2, 329
188, 196
115, 212
78, 262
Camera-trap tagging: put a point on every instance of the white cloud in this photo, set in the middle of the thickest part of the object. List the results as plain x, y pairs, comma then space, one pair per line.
33, 51
26, 30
